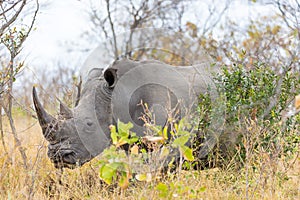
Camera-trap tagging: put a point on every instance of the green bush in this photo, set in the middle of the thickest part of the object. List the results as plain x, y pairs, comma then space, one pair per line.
258, 96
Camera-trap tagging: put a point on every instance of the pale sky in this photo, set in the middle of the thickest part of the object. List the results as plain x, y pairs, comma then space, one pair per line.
64, 21
58, 22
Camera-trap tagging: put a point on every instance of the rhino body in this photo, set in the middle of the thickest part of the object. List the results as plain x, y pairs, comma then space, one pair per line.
119, 93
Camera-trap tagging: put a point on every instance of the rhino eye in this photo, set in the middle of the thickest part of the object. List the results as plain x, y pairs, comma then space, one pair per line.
89, 123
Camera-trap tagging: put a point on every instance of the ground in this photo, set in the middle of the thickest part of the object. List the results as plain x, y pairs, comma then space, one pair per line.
278, 179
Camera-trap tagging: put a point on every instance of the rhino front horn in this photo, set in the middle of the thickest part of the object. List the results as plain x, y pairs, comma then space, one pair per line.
44, 118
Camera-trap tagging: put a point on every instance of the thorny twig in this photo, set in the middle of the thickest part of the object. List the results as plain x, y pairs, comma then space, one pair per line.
78, 86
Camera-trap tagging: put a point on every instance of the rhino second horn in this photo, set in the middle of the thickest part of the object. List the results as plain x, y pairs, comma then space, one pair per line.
65, 111
43, 117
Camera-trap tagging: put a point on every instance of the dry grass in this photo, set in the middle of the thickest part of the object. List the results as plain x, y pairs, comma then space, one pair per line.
271, 180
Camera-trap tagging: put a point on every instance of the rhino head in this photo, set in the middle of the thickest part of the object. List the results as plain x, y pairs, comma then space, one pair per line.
78, 135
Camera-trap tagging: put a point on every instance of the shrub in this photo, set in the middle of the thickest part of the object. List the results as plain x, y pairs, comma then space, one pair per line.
259, 97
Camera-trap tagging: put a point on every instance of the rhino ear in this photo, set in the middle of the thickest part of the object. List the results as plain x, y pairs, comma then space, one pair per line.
110, 76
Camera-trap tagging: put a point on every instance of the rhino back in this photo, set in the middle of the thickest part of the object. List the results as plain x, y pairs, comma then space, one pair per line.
163, 88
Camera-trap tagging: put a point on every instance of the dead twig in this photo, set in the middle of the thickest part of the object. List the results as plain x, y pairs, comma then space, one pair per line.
78, 86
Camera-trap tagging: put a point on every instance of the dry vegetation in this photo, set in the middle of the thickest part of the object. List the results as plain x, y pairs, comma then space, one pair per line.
262, 177
257, 170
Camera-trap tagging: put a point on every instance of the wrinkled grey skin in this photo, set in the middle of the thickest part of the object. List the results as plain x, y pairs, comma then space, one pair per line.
80, 134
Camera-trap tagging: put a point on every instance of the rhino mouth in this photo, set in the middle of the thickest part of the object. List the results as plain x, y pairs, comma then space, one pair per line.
64, 158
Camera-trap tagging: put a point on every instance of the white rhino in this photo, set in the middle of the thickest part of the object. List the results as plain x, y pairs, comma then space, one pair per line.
82, 133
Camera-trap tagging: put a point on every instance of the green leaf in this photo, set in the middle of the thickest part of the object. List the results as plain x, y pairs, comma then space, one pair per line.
141, 177
133, 140
114, 135
176, 127
108, 171
187, 153
162, 189
164, 152
124, 180
202, 189
180, 141
123, 129
122, 141
165, 133
180, 125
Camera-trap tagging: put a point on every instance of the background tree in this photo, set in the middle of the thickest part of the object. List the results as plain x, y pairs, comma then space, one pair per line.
124, 27
13, 33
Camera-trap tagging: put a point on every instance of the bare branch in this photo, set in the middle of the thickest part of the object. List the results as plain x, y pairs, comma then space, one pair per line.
78, 86
12, 19
212, 12
10, 8
14, 48
18, 49
112, 29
